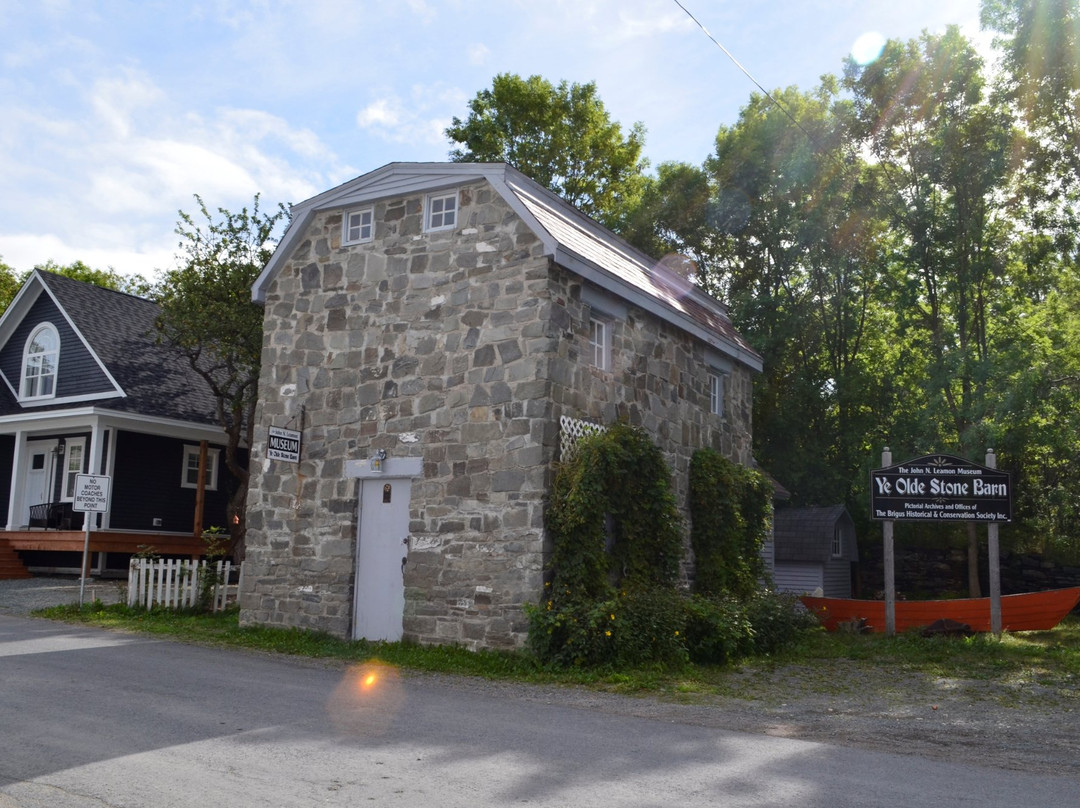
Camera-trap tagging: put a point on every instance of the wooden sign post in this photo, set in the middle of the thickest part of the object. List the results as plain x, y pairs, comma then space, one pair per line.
940, 488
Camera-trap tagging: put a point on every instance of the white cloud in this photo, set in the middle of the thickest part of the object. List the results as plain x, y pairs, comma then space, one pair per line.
105, 176
478, 54
420, 120
385, 112
24, 251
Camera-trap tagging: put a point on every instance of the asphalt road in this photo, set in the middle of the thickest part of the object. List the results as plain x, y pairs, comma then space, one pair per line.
92, 718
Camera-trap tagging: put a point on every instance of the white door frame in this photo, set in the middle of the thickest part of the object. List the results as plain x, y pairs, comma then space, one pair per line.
30, 496
393, 471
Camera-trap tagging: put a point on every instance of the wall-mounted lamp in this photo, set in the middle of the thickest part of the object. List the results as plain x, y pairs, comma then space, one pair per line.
377, 460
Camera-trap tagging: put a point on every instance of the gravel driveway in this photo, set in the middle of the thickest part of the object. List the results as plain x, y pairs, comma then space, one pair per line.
25, 595
1024, 722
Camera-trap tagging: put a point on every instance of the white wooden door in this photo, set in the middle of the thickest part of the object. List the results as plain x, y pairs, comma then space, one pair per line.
40, 467
381, 558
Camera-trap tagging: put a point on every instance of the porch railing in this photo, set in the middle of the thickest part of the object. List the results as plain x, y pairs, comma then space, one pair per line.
180, 583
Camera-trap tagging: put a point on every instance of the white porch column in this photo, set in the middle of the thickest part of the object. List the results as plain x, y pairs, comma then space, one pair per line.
97, 439
18, 482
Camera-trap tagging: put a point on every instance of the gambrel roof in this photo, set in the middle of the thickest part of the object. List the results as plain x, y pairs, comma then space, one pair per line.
572, 240
108, 355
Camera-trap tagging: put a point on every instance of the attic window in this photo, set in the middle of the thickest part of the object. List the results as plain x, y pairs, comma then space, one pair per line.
39, 363
837, 544
357, 226
441, 212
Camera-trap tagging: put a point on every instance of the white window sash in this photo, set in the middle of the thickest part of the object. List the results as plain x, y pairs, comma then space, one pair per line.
74, 457
358, 226
189, 473
600, 341
441, 213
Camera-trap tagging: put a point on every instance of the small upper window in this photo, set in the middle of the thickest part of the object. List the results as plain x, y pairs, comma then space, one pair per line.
441, 211
716, 393
837, 544
190, 477
600, 343
39, 363
357, 227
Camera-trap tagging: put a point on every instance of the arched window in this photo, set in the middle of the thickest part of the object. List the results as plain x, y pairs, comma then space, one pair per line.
39, 363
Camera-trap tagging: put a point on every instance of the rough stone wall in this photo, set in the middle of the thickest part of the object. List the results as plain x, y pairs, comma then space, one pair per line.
420, 344
463, 348
658, 380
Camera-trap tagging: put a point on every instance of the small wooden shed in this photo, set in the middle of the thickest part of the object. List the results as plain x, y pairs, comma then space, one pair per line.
814, 549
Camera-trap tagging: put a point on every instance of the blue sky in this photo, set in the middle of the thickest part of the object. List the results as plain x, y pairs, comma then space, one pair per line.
114, 113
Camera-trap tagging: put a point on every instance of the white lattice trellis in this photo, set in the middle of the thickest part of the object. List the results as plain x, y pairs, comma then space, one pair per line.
571, 430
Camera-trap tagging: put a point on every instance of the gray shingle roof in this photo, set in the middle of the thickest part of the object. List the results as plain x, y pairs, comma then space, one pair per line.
806, 534
572, 239
119, 329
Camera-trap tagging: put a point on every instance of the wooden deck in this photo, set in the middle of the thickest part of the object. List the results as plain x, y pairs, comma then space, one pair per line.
104, 541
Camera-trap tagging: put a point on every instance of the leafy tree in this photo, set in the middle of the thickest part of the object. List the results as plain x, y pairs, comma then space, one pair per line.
106, 278
11, 281
672, 218
9, 285
790, 241
943, 149
561, 136
207, 315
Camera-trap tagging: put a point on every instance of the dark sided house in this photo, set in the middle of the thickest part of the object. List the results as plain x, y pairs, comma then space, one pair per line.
85, 389
435, 332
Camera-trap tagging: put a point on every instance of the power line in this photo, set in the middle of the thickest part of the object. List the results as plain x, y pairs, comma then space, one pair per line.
747, 73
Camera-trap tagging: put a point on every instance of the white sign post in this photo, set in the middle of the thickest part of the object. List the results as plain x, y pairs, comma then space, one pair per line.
91, 496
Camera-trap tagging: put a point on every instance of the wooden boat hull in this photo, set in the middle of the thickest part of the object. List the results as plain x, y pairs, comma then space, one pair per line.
1031, 611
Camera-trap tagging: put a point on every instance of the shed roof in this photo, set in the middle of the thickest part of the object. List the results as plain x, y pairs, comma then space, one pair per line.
806, 534
572, 239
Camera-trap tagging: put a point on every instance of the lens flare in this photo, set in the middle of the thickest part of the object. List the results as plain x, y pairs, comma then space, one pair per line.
867, 48
367, 699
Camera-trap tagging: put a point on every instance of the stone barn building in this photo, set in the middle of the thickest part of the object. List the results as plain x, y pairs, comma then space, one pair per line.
430, 330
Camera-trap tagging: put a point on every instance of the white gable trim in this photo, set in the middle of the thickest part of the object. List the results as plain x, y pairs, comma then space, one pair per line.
13, 317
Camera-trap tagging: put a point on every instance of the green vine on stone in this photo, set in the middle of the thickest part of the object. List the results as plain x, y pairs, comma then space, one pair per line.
613, 518
730, 506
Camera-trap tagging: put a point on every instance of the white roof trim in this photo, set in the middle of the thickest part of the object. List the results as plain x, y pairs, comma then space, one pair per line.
132, 422
14, 316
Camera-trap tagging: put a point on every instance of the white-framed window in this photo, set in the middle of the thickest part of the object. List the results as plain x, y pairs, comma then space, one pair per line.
40, 358
716, 392
837, 544
441, 212
600, 342
74, 455
190, 478
358, 226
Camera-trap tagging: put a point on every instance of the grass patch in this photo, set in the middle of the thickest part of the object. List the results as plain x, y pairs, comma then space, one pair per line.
1048, 658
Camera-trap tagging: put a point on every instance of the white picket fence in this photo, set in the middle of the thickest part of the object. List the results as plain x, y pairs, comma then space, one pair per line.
174, 583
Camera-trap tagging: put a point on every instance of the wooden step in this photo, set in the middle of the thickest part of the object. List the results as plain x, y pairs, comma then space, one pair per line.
11, 566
